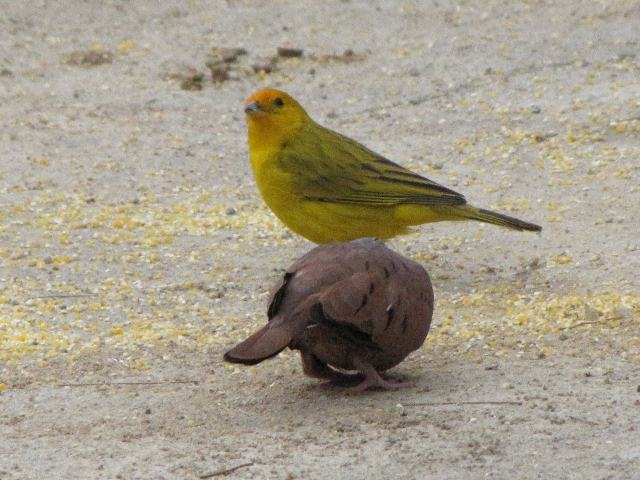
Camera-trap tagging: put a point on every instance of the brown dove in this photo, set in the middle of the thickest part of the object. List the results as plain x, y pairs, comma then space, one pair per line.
355, 306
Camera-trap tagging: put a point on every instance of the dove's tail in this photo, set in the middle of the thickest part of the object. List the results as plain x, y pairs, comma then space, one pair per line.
265, 343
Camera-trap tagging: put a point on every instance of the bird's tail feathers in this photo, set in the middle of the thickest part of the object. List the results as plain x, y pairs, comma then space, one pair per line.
265, 343
500, 219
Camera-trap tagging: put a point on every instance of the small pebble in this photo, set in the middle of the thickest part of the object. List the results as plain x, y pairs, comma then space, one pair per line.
262, 67
89, 57
287, 52
219, 71
191, 79
228, 55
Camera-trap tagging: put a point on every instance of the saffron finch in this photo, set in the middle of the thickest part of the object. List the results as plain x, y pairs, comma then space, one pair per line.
329, 188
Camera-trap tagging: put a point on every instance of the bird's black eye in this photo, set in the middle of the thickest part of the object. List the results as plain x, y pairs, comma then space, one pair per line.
278, 102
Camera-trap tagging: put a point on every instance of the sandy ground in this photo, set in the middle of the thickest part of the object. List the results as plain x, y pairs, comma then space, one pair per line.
134, 248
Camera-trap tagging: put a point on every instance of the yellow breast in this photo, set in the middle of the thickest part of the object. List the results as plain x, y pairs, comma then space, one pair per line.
320, 222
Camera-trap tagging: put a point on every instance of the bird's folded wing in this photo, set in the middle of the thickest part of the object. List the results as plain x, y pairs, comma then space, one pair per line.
330, 167
346, 330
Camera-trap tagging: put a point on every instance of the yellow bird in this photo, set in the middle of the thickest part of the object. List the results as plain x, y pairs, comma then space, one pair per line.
329, 188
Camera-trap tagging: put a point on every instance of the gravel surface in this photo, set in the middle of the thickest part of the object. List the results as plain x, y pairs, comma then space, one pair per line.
134, 247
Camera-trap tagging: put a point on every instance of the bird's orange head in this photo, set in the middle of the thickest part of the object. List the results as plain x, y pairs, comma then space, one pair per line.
273, 116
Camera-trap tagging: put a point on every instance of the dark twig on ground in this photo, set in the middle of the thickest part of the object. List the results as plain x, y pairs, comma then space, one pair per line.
590, 322
435, 404
64, 295
226, 471
110, 384
579, 324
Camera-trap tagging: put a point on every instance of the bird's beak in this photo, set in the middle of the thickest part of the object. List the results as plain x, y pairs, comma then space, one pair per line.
251, 108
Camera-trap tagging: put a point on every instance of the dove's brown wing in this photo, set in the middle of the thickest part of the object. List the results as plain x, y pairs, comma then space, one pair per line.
388, 298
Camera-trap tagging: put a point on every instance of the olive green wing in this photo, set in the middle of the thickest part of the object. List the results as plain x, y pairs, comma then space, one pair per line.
330, 167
